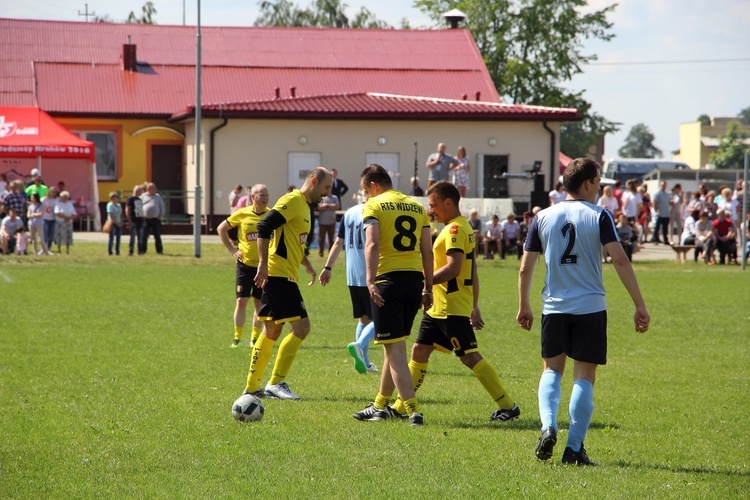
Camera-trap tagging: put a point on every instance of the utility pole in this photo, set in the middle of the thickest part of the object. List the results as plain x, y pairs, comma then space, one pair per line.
86, 14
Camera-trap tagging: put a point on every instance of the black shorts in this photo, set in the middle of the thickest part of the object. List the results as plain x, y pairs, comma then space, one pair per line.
402, 293
281, 301
453, 333
582, 337
244, 279
361, 304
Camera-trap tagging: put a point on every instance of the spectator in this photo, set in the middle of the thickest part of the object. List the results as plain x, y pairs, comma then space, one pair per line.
114, 215
153, 211
339, 188
745, 226
439, 165
461, 171
631, 201
524, 226
608, 201
35, 215
134, 213
703, 239
730, 206
511, 236
33, 177
724, 237
3, 183
695, 202
416, 189
557, 195
644, 216
662, 204
626, 235
36, 187
687, 237
709, 205
16, 199
476, 225
492, 235
245, 200
327, 221
234, 197
10, 227
48, 206
65, 212
676, 204
617, 191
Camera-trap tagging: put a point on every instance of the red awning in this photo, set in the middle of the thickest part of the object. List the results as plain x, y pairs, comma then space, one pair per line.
564, 160
30, 132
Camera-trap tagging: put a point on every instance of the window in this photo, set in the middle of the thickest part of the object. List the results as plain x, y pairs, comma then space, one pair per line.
105, 143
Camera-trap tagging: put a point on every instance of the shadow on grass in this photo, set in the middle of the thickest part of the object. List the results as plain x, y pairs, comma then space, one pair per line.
684, 469
522, 424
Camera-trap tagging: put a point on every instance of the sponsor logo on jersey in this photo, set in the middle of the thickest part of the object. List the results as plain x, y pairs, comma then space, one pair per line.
252, 236
454, 230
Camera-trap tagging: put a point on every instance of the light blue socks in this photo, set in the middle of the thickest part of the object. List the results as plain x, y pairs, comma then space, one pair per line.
581, 409
364, 338
549, 398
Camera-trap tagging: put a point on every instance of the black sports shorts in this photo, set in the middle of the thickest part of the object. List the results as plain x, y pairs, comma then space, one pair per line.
361, 304
582, 337
402, 293
453, 333
281, 301
245, 284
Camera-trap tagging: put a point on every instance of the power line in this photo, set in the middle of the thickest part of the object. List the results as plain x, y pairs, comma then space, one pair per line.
694, 61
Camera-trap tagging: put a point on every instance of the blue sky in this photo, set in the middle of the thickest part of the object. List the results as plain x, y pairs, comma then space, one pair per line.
674, 35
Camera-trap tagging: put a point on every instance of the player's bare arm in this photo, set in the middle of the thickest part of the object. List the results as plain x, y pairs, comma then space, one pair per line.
333, 253
525, 316
425, 244
625, 271
372, 248
223, 231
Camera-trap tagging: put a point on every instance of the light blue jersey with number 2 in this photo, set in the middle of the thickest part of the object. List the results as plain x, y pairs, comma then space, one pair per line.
571, 235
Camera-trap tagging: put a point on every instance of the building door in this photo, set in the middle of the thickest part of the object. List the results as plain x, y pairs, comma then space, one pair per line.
495, 185
166, 173
388, 161
299, 165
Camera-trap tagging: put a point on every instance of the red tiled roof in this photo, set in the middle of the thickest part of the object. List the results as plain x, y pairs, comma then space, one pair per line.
164, 90
381, 106
76, 67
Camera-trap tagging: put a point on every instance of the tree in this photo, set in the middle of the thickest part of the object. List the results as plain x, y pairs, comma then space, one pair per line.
744, 116
732, 148
532, 47
705, 120
639, 144
148, 11
320, 14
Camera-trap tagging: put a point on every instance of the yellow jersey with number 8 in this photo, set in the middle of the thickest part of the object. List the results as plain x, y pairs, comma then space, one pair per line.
400, 221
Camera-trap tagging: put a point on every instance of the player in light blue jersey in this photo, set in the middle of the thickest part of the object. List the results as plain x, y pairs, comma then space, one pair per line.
571, 235
351, 237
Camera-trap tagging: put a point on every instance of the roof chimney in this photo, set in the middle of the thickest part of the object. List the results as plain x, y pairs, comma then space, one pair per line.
479, 94
277, 91
293, 91
454, 17
129, 59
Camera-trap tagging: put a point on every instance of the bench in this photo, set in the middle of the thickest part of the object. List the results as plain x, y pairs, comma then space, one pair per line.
681, 251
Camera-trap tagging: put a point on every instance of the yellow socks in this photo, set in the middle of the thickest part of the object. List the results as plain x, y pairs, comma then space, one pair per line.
285, 357
257, 330
489, 379
238, 332
258, 361
418, 374
381, 401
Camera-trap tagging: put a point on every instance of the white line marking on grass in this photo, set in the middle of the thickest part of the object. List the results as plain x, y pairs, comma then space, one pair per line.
5, 277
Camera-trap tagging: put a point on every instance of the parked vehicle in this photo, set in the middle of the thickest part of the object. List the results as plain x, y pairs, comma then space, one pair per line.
623, 169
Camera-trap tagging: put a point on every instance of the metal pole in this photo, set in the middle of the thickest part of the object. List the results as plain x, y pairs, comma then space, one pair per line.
745, 201
197, 209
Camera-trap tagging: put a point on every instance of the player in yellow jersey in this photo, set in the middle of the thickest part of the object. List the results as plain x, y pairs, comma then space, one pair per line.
450, 323
398, 262
245, 222
281, 250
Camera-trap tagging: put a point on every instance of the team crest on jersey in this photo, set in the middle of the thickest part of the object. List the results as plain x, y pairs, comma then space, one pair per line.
303, 239
454, 230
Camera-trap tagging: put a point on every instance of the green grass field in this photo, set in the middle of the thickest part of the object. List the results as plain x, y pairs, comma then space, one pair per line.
116, 379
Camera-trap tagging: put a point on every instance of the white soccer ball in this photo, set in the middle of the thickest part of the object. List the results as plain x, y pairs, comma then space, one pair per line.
248, 408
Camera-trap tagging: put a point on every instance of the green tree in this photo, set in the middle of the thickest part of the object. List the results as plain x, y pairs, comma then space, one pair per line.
148, 12
744, 116
732, 148
639, 144
705, 120
320, 14
531, 48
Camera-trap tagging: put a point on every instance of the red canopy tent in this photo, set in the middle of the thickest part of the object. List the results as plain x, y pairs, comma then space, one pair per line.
30, 138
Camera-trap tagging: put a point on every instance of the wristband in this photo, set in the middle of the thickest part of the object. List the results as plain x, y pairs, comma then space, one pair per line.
426, 292
327, 268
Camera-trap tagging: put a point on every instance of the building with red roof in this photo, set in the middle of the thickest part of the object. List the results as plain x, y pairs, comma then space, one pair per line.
276, 101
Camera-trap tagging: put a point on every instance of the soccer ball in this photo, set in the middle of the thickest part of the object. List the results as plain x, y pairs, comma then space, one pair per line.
248, 408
